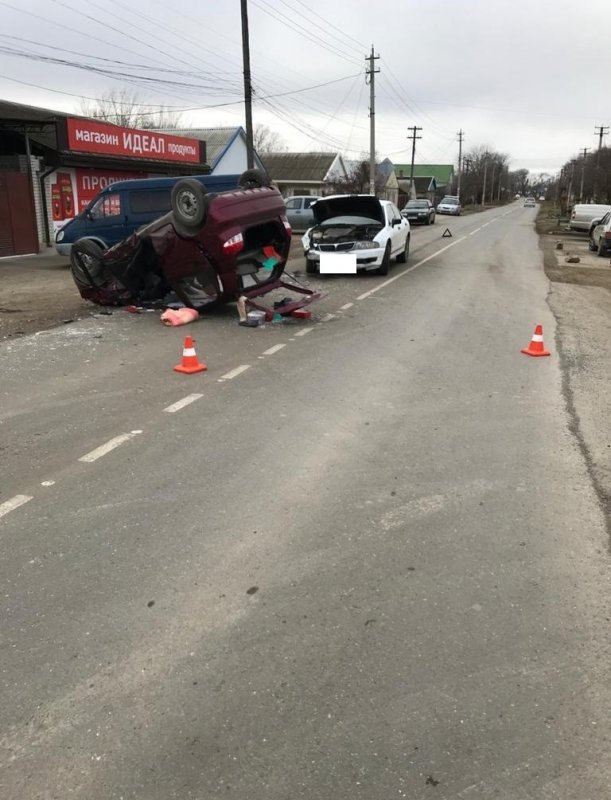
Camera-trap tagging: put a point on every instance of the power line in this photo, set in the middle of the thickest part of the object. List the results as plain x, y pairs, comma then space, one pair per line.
301, 31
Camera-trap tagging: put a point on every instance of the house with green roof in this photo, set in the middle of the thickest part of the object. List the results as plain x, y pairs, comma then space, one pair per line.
430, 180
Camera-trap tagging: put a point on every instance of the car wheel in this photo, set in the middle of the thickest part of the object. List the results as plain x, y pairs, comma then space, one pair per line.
311, 267
86, 264
601, 250
591, 245
253, 179
189, 204
402, 257
433, 219
428, 220
383, 268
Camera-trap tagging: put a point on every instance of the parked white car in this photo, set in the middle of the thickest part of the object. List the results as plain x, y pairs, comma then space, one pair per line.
584, 214
600, 236
371, 229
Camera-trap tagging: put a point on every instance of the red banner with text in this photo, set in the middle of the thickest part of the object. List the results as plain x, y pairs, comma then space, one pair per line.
87, 136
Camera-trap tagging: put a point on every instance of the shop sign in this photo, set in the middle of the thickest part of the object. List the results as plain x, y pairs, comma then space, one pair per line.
88, 136
90, 182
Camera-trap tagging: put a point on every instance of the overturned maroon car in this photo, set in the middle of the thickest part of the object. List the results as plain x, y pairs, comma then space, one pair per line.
210, 248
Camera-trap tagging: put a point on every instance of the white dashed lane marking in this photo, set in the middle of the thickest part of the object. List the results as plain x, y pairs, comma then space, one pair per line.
13, 503
234, 373
328, 317
180, 404
271, 350
346, 306
304, 331
104, 449
409, 269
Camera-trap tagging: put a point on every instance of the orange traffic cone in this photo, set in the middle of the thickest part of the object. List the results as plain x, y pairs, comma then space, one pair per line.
189, 363
536, 347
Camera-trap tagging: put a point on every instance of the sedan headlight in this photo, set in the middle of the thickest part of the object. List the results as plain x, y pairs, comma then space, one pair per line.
60, 236
365, 245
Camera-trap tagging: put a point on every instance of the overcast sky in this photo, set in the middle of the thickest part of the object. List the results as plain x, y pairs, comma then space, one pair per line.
525, 77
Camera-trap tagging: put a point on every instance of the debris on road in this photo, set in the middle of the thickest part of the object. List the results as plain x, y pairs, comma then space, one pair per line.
181, 316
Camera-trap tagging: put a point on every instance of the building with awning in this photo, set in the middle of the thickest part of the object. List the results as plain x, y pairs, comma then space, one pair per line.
52, 164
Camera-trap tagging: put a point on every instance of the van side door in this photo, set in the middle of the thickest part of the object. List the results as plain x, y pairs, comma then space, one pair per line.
146, 205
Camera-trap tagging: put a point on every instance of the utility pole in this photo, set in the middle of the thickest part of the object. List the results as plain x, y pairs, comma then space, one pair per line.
602, 131
484, 186
584, 153
492, 182
414, 130
250, 159
372, 121
460, 135
570, 189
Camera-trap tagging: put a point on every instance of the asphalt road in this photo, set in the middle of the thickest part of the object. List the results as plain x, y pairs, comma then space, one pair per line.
363, 559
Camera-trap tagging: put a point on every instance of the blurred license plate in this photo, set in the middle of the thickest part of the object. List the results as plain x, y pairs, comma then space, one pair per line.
338, 263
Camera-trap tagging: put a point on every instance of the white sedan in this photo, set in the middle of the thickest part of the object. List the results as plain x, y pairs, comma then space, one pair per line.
371, 230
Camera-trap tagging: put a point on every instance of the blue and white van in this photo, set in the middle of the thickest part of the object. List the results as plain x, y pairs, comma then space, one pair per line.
123, 207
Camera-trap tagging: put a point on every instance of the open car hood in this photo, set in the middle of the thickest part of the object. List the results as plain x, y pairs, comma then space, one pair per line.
360, 205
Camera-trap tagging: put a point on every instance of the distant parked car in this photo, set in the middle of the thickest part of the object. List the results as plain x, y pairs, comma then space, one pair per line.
419, 211
584, 214
450, 204
530, 201
600, 236
299, 211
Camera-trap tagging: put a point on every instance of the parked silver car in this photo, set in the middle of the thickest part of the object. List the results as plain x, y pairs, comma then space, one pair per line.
450, 204
600, 236
299, 211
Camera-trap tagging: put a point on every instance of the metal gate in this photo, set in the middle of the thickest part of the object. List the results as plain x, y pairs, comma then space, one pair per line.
18, 232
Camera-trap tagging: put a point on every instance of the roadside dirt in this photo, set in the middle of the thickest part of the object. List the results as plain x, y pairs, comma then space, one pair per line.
558, 243
37, 293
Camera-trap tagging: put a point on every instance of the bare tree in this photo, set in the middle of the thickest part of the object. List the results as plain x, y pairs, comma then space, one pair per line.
485, 175
265, 140
126, 108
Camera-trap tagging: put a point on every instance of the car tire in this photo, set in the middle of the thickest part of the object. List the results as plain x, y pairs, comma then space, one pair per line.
428, 220
591, 246
601, 250
253, 179
86, 265
402, 257
383, 268
310, 267
189, 204
433, 219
